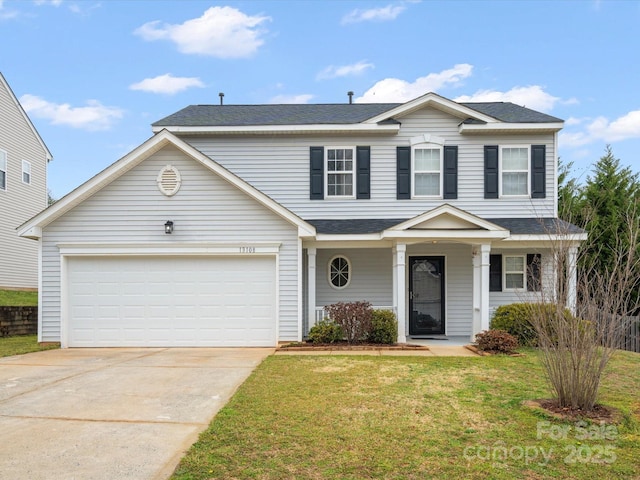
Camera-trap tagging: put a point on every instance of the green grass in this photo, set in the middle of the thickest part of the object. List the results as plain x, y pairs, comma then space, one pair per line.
21, 344
332, 417
15, 298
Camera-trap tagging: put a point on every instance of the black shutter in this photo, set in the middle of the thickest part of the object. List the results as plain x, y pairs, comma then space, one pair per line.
363, 171
403, 173
316, 169
538, 171
491, 171
495, 273
534, 272
450, 172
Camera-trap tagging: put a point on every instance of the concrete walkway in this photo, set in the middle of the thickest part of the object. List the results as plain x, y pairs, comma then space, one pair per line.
125, 413
437, 350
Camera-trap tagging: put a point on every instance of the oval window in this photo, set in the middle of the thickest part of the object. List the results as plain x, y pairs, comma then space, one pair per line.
339, 272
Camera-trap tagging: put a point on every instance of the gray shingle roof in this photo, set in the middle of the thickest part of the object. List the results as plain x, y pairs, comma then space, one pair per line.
517, 226
327, 114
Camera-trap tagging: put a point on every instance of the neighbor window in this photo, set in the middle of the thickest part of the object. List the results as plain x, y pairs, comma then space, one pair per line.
339, 271
427, 168
514, 272
340, 175
3, 170
26, 172
515, 170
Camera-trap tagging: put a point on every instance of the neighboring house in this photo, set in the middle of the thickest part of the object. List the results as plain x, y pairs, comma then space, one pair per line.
23, 190
237, 224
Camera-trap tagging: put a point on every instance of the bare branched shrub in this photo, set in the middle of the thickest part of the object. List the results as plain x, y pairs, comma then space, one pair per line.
577, 347
353, 317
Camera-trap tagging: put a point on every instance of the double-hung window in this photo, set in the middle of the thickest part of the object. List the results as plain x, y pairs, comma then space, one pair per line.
514, 272
427, 171
26, 172
515, 170
3, 170
340, 172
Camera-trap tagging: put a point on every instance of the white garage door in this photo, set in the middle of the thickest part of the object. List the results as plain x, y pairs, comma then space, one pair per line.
171, 301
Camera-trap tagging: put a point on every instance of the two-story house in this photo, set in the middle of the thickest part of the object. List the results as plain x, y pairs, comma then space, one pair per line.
23, 190
237, 224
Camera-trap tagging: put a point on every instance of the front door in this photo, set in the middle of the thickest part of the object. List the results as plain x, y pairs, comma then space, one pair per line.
426, 295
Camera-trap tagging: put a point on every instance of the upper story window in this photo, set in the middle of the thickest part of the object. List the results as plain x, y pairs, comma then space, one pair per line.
3, 170
427, 171
340, 172
26, 172
515, 171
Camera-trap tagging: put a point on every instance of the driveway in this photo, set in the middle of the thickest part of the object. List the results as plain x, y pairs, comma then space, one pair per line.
112, 413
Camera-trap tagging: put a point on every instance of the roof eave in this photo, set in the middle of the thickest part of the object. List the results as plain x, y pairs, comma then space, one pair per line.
281, 129
510, 127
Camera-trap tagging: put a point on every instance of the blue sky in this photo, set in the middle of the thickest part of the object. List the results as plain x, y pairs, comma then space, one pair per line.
93, 75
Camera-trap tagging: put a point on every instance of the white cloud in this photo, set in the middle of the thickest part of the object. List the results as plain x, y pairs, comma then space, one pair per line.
222, 32
533, 97
396, 90
6, 14
601, 129
93, 116
167, 84
344, 70
573, 121
54, 3
302, 98
573, 139
382, 14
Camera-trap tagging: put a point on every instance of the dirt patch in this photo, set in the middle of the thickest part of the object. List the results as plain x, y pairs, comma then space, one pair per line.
599, 413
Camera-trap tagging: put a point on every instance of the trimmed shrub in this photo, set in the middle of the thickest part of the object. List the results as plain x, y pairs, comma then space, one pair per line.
496, 341
353, 317
515, 319
325, 331
384, 327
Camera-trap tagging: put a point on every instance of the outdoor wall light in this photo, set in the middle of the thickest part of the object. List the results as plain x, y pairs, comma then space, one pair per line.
168, 227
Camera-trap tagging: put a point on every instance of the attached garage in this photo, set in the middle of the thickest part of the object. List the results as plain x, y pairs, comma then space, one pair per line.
171, 301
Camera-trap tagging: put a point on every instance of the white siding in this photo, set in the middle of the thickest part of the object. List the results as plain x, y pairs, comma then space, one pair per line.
206, 209
279, 166
20, 202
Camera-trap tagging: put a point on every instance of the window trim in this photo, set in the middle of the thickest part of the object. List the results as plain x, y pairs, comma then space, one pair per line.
512, 272
24, 171
353, 172
501, 172
349, 272
4, 158
414, 171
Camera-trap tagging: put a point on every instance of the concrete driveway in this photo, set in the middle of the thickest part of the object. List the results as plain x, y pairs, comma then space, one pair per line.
113, 413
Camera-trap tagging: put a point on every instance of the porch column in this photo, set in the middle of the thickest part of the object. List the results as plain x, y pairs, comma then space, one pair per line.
480, 288
311, 287
572, 273
399, 289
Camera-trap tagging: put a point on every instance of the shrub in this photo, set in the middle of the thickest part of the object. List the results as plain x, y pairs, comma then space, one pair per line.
496, 341
325, 331
516, 320
384, 327
353, 317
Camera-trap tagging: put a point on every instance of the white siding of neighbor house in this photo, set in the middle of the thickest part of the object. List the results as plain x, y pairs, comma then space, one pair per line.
132, 210
279, 166
20, 202
372, 280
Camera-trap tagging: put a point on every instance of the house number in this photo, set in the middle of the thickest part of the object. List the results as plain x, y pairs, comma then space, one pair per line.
247, 249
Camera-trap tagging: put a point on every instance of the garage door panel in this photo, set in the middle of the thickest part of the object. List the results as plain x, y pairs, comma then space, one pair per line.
172, 301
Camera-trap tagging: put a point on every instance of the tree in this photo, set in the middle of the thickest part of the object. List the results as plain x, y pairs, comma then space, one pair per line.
50, 199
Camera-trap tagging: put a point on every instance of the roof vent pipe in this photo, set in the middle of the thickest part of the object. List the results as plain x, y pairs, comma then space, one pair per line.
350, 97
221, 95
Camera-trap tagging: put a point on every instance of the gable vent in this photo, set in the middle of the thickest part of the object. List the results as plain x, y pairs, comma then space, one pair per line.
169, 180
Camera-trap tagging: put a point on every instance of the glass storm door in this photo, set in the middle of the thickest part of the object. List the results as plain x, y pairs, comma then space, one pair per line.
426, 295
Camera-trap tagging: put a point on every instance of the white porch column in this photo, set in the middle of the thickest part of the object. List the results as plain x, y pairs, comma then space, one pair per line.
480, 288
399, 289
572, 280
311, 286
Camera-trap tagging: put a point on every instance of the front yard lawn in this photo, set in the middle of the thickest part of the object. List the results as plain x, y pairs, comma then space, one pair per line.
21, 344
348, 417
17, 298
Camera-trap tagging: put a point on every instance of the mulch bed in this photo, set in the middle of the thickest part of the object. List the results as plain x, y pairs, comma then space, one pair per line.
599, 413
345, 346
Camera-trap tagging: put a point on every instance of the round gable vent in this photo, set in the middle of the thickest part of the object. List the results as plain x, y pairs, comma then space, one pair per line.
169, 180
